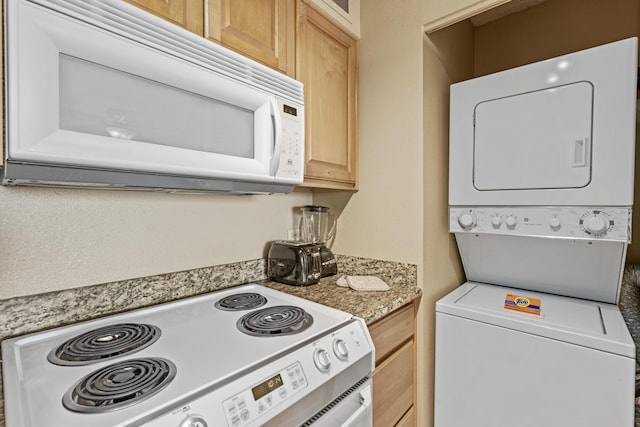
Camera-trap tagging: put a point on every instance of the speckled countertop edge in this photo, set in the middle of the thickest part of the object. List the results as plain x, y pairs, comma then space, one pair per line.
34, 313
630, 303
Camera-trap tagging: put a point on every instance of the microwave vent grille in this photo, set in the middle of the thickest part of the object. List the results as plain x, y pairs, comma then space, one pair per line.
135, 24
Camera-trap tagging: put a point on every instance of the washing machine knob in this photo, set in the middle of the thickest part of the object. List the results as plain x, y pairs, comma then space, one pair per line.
554, 222
596, 225
467, 220
496, 221
511, 221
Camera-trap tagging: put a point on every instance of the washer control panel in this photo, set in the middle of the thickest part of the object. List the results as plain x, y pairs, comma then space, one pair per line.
595, 223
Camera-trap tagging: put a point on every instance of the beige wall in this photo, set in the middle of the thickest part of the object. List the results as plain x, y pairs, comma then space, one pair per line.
52, 239
447, 58
400, 212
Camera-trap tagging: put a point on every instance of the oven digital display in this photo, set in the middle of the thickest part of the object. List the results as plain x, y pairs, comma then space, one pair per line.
266, 387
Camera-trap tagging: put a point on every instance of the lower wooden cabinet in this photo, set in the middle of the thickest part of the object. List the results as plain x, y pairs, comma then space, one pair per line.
394, 377
409, 419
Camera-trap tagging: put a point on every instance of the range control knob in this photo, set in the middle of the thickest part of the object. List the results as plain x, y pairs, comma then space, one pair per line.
596, 223
467, 220
554, 222
511, 221
496, 221
194, 421
322, 359
340, 349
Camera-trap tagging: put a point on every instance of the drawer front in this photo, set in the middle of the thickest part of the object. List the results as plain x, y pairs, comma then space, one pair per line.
392, 330
409, 419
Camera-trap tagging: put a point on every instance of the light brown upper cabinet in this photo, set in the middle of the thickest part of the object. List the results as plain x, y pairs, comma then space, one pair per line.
260, 29
442, 13
188, 14
327, 64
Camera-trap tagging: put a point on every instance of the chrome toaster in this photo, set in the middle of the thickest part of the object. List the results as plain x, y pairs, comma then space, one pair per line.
299, 263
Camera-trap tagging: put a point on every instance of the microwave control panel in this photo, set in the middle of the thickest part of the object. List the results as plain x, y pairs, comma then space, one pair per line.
292, 134
593, 223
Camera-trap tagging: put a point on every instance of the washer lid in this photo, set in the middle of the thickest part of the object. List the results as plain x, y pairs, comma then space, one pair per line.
586, 323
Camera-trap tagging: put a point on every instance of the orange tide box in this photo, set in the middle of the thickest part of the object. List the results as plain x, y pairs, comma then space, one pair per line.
522, 303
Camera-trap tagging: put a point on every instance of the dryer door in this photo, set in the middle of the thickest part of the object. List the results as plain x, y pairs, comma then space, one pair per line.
534, 140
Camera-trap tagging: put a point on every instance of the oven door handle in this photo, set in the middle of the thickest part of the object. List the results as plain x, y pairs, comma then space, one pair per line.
364, 412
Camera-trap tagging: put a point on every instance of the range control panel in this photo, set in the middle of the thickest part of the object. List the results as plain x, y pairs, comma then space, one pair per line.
269, 388
593, 223
258, 399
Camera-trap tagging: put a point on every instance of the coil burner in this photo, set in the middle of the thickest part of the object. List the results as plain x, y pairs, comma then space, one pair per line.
119, 385
276, 320
104, 343
241, 301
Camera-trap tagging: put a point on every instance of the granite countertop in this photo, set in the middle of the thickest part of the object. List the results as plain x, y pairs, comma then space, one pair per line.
369, 306
630, 308
630, 303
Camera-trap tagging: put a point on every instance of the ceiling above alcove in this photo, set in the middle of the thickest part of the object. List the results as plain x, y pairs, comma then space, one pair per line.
502, 11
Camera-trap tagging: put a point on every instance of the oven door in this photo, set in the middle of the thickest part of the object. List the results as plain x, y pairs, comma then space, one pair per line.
353, 408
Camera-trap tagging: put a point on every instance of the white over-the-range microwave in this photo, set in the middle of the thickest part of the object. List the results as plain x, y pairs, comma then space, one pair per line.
101, 93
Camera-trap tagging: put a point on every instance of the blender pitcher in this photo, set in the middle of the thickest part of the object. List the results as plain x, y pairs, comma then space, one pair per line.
317, 224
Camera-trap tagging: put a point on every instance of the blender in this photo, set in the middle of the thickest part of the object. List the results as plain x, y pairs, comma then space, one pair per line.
317, 226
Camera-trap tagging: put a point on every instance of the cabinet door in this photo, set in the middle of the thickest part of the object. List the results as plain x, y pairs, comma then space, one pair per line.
188, 14
393, 387
327, 63
392, 331
260, 29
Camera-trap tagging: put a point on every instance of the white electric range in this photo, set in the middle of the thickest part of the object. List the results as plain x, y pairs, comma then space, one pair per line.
243, 356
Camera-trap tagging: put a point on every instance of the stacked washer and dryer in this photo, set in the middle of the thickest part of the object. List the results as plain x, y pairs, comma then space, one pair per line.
540, 194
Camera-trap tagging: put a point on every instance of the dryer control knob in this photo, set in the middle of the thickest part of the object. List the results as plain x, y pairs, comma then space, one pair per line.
496, 221
511, 221
554, 222
596, 225
467, 220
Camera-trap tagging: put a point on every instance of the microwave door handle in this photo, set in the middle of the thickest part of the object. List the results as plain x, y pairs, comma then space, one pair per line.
277, 138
